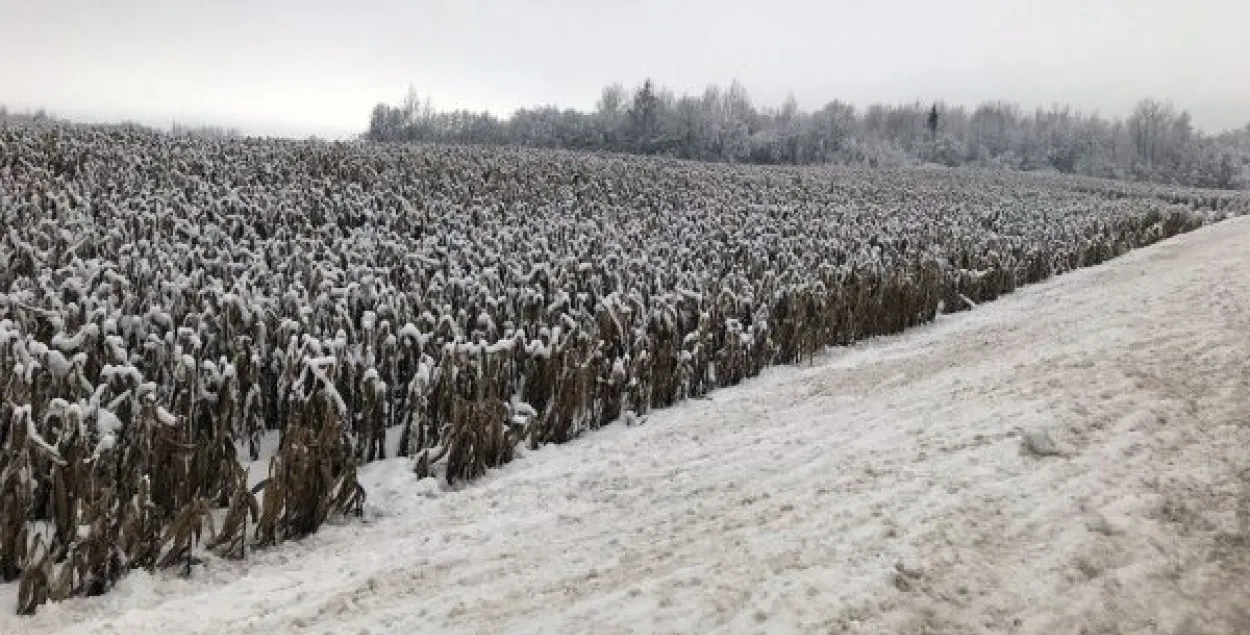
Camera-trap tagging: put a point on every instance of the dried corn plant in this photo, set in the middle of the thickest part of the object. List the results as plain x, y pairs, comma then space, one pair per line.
175, 313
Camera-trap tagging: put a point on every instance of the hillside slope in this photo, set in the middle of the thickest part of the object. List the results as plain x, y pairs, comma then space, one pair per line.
883, 490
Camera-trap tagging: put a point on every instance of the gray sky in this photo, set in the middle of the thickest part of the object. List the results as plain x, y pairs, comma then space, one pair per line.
317, 67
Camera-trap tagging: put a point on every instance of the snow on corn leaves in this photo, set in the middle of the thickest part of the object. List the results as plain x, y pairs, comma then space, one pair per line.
167, 303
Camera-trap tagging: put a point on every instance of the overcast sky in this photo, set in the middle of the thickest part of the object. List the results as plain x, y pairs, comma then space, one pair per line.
300, 67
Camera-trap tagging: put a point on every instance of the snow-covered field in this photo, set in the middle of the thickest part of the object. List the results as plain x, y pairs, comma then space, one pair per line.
885, 489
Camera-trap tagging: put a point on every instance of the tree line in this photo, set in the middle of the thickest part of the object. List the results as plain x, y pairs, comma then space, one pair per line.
1156, 142
206, 131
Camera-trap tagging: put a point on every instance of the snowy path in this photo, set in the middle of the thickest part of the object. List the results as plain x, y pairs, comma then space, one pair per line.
883, 490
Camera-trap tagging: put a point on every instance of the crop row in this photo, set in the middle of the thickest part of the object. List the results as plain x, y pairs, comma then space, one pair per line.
167, 303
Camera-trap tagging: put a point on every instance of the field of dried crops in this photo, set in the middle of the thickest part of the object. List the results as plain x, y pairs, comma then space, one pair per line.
167, 303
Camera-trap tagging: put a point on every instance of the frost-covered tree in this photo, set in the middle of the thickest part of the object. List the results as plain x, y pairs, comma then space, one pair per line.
644, 117
610, 113
1155, 142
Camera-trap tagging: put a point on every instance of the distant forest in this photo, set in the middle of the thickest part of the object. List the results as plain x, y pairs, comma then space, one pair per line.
1155, 143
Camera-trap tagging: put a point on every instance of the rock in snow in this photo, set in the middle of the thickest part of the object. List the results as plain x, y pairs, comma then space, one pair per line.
1039, 443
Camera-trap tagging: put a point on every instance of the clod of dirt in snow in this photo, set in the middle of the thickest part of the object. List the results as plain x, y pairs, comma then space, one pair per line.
1099, 523
909, 568
906, 574
1039, 443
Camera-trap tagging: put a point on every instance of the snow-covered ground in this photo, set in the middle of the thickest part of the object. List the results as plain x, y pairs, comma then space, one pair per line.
883, 490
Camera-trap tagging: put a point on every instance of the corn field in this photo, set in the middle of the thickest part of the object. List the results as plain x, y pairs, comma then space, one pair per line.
168, 304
